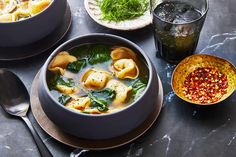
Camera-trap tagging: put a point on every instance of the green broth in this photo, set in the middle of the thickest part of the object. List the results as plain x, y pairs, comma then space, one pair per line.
83, 52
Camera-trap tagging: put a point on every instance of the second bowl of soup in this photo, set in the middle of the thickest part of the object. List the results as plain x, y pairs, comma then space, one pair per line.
23, 22
98, 86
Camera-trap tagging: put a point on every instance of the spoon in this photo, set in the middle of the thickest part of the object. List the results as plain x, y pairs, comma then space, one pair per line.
14, 98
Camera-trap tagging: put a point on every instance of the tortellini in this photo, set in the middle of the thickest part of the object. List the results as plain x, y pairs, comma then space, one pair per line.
124, 64
6, 18
79, 103
121, 90
37, 6
82, 104
15, 10
60, 62
125, 68
95, 78
66, 90
123, 52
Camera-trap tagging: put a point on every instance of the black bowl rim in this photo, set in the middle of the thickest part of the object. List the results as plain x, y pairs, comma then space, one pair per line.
91, 35
32, 17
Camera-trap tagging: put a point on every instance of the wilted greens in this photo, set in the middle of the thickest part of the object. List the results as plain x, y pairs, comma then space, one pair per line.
138, 86
88, 56
59, 80
102, 98
64, 99
76, 66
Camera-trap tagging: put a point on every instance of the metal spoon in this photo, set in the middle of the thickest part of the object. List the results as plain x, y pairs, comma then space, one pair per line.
14, 98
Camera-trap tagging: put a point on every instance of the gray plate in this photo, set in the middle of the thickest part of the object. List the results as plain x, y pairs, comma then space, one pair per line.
23, 52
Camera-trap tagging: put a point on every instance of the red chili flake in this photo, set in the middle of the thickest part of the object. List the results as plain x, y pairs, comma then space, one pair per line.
205, 85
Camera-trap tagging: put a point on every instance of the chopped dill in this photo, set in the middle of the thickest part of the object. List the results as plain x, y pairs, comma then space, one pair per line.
120, 10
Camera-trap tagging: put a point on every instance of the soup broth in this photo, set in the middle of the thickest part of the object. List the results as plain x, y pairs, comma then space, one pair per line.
97, 79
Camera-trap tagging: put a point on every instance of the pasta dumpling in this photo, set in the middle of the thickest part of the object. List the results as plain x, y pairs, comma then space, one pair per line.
79, 103
95, 78
121, 90
6, 18
38, 6
123, 52
125, 68
66, 90
60, 62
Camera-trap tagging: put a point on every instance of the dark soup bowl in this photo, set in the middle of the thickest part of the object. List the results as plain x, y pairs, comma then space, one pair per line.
31, 29
98, 86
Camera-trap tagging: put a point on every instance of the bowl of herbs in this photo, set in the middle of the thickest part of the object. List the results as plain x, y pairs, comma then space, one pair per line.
119, 14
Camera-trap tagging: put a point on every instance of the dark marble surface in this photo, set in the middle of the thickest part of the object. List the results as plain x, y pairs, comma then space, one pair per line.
182, 130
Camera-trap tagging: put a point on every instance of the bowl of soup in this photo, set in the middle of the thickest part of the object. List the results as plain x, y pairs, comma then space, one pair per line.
26, 21
98, 86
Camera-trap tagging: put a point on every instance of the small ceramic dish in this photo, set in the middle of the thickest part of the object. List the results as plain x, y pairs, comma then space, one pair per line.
95, 13
190, 64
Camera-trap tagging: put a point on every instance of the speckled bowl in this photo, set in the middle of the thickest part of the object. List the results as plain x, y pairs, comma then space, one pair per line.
32, 29
103, 126
189, 64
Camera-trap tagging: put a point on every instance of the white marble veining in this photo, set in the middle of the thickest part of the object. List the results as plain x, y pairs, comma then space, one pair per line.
167, 137
218, 40
7, 147
232, 139
29, 149
211, 133
153, 142
222, 45
5, 135
78, 152
134, 151
130, 150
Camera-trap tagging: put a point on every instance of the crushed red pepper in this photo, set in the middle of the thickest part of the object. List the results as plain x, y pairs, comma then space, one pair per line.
205, 85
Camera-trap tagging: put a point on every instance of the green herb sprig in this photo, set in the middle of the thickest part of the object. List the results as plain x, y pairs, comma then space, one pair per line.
120, 10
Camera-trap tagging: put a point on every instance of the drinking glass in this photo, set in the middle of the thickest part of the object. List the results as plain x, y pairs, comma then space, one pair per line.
177, 25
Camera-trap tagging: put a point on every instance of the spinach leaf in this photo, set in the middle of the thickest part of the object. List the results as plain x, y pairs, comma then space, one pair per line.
88, 55
80, 52
138, 87
58, 80
101, 99
99, 54
76, 66
63, 99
